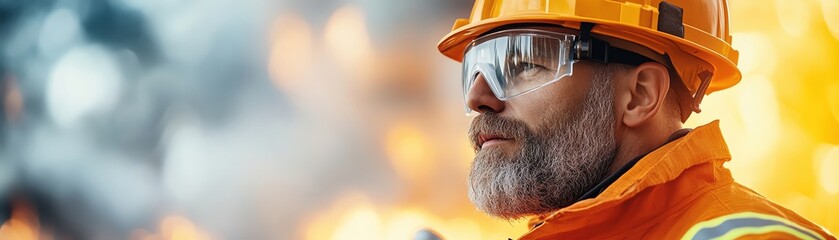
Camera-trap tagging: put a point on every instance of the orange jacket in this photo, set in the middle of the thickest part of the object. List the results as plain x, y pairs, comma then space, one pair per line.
679, 191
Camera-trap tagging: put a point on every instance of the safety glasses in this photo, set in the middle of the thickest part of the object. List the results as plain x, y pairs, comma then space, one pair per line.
518, 61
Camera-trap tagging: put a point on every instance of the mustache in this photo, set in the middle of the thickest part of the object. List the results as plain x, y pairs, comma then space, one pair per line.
492, 123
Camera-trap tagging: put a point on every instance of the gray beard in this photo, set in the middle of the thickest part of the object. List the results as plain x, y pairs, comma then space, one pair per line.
553, 166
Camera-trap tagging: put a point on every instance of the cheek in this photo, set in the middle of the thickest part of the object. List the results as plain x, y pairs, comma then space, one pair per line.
549, 103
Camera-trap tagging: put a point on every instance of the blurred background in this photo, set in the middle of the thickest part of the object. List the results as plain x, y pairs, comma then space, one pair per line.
327, 119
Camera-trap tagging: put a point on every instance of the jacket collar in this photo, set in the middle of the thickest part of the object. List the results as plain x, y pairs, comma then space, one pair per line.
600, 187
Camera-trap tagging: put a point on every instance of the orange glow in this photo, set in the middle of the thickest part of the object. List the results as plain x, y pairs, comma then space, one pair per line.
468, 153
781, 121
409, 151
406, 223
179, 228
795, 18
172, 228
826, 164
23, 224
361, 223
291, 52
829, 10
757, 53
323, 225
353, 216
347, 39
461, 228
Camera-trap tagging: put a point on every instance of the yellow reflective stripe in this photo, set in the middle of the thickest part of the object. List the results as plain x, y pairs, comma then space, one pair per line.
743, 231
784, 225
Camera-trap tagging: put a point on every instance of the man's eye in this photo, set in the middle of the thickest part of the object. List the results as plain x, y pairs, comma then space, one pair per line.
529, 69
532, 66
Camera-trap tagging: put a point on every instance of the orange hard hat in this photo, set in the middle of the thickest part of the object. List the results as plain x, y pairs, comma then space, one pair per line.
694, 34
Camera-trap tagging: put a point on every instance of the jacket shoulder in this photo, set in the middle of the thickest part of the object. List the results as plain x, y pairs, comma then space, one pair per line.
733, 211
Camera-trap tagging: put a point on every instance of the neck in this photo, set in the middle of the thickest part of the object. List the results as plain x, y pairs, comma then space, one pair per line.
637, 141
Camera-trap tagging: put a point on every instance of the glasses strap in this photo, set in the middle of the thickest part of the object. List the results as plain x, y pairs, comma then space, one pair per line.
594, 49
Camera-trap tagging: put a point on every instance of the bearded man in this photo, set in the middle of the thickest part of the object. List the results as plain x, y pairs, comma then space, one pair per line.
579, 108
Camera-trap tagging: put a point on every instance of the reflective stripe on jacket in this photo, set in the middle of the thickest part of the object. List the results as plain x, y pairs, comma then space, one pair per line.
679, 191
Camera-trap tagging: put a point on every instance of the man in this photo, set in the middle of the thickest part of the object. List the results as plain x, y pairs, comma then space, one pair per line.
580, 105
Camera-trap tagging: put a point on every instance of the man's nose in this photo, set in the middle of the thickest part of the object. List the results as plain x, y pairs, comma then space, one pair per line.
480, 98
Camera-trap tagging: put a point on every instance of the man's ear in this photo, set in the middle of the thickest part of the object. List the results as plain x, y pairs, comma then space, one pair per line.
641, 92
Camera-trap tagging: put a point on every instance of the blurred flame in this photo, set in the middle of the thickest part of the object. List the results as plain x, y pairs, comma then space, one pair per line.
829, 10
347, 38
23, 224
360, 223
405, 223
291, 51
461, 228
180, 228
322, 224
826, 164
757, 53
795, 16
409, 151
173, 228
353, 216
758, 107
